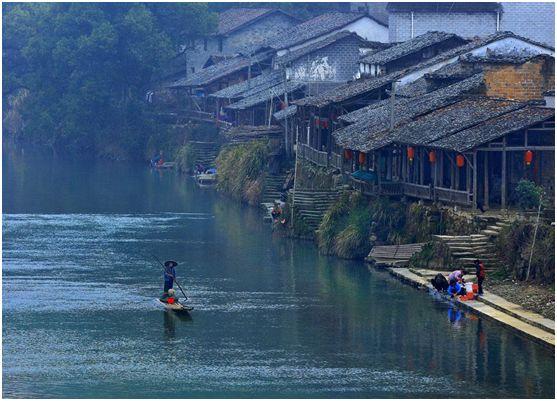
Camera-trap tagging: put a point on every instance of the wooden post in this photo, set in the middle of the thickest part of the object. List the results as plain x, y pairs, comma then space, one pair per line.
378, 170
441, 168
475, 180
420, 155
504, 175
486, 180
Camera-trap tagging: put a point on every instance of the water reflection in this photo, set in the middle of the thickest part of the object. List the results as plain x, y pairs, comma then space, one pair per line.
272, 317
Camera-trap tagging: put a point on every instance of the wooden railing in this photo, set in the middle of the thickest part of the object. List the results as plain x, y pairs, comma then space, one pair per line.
313, 155
390, 188
336, 161
364, 187
454, 196
418, 191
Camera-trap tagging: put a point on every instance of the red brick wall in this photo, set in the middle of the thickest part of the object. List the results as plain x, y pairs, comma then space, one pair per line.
527, 81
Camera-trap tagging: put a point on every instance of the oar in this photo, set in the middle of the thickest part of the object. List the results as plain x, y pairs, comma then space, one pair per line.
166, 271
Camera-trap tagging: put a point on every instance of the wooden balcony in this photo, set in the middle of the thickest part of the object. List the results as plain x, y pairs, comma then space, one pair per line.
453, 196
418, 191
314, 156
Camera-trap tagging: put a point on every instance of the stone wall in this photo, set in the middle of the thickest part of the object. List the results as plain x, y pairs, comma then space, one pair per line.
534, 20
264, 28
527, 81
335, 63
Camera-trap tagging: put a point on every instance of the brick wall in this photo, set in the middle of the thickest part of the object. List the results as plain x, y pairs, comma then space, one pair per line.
520, 82
466, 25
335, 63
532, 20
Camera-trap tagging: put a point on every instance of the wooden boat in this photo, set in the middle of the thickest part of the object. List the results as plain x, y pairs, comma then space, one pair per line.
166, 165
176, 306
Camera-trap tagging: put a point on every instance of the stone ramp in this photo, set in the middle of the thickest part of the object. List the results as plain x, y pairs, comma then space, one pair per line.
393, 255
311, 205
493, 307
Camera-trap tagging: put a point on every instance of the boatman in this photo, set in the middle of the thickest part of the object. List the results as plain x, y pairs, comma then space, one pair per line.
169, 276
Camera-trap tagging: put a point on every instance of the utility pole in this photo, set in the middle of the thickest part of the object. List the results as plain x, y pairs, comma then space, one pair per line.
393, 91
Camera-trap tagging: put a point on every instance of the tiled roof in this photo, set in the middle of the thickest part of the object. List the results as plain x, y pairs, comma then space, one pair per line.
461, 50
220, 70
329, 40
451, 119
376, 113
234, 18
370, 125
313, 28
410, 46
265, 95
494, 128
348, 90
285, 113
264, 80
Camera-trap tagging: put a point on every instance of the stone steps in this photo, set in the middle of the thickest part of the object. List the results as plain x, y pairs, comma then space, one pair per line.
311, 205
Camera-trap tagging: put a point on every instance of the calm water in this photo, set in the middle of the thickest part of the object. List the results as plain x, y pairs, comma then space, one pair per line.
272, 317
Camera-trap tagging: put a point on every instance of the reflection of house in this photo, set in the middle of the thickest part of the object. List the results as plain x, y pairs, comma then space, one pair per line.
467, 143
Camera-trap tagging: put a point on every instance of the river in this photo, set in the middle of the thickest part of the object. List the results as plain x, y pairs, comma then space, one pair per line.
272, 317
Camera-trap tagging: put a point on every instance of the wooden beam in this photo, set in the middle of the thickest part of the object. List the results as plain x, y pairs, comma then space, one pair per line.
504, 175
486, 180
475, 180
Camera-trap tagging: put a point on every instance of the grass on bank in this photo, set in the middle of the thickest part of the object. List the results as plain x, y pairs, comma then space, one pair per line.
241, 171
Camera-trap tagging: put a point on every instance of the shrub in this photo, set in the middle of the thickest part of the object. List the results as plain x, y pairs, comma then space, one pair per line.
185, 159
241, 169
528, 195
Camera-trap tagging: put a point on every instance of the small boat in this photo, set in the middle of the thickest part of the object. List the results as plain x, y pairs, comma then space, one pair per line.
165, 165
176, 306
207, 179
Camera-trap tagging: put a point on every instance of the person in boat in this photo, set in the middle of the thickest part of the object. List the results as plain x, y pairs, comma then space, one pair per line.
455, 288
440, 283
157, 160
199, 168
457, 275
480, 275
169, 276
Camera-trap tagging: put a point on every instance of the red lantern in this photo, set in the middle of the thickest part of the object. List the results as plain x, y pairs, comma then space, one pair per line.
410, 153
362, 158
347, 154
528, 156
170, 300
460, 161
432, 156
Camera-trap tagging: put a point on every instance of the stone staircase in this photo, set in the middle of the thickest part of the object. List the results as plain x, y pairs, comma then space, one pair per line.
273, 188
311, 205
467, 248
205, 152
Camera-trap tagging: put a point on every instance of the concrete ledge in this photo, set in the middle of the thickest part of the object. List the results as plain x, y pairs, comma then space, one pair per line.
520, 327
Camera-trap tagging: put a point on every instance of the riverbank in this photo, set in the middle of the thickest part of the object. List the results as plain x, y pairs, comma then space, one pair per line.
492, 307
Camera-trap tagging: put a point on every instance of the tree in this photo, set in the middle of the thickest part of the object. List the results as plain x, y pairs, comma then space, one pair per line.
87, 67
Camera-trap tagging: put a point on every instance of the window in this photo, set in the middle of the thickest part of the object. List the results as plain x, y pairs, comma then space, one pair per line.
220, 44
192, 69
205, 44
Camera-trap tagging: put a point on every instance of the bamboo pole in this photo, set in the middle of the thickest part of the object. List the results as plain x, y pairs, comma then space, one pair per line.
534, 240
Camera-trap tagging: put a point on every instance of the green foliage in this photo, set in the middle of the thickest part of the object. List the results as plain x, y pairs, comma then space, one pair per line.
185, 159
87, 67
241, 169
528, 194
514, 245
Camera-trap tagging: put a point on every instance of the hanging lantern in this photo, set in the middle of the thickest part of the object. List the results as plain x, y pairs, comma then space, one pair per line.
362, 158
460, 161
528, 156
410, 153
432, 156
347, 154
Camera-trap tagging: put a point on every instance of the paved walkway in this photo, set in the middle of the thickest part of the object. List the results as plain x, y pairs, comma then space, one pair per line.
491, 306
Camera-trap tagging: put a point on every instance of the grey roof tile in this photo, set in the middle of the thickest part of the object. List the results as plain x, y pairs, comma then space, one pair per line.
410, 46
262, 81
265, 95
